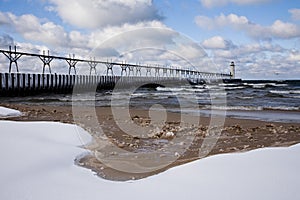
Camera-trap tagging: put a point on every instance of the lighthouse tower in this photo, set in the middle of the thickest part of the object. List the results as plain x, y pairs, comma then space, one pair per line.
232, 70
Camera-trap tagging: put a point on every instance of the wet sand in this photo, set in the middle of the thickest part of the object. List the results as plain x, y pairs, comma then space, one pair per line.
237, 135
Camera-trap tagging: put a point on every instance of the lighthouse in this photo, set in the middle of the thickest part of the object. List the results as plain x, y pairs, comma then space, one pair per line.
232, 70
232, 78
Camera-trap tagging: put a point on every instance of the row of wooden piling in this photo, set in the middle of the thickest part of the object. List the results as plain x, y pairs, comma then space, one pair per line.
24, 84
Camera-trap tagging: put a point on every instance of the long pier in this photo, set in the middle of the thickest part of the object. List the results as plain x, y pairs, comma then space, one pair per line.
19, 84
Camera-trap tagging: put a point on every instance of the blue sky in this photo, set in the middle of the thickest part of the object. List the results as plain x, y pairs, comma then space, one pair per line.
261, 36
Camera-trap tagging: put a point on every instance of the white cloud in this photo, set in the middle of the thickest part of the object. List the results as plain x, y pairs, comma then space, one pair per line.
284, 30
294, 55
60, 42
46, 32
151, 42
215, 3
4, 19
78, 40
33, 29
155, 44
130, 34
259, 48
94, 14
255, 60
6, 40
116, 42
278, 29
222, 21
295, 14
217, 42
256, 49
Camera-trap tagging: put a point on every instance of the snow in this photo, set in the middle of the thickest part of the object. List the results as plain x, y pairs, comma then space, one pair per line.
37, 162
7, 112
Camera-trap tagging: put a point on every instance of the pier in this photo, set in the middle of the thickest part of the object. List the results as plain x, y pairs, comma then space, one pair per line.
23, 84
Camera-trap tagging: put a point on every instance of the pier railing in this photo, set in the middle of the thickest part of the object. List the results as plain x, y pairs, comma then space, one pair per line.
18, 84
125, 69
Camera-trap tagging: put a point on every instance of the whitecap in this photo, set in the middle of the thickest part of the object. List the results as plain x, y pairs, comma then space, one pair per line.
285, 91
279, 92
181, 89
245, 97
256, 85
295, 91
235, 88
282, 108
247, 108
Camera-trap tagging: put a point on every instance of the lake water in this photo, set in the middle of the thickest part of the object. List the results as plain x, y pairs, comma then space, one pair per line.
250, 99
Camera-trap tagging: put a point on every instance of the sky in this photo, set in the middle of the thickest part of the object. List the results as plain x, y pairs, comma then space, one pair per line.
262, 37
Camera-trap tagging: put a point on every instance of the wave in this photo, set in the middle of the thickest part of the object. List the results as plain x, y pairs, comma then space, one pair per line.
277, 84
282, 108
264, 85
234, 88
174, 89
228, 84
251, 108
257, 85
44, 99
281, 85
200, 86
247, 108
245, 98
285, 91
279, 92
139, 95
213, 87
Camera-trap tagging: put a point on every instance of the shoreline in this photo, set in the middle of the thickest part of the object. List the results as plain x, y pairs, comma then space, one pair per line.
237, 135
267, 115
50, 112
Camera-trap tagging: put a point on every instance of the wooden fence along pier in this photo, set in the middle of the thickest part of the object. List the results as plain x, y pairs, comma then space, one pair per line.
23, 84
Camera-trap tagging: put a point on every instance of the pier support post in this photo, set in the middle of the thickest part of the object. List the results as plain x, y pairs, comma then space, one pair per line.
165, 72
138, 70
192, 74
72, 63
46, 60
123, 69
199, 75
13, 58
157, 72
109, 68
171, 71
93, 66
183, 74
148, 71
187, 73
131, 72
177, 73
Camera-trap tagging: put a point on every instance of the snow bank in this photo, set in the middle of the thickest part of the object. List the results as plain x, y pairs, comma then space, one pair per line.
7, 112
37, 162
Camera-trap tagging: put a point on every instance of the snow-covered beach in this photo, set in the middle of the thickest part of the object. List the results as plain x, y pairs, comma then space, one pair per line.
8, 112
37, 162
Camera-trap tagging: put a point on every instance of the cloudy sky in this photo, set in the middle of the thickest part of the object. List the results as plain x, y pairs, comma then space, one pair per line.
261, 36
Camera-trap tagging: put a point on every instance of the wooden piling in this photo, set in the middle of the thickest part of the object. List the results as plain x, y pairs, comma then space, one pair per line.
21, 84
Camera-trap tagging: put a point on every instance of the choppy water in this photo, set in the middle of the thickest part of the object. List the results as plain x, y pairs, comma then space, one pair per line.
248, 99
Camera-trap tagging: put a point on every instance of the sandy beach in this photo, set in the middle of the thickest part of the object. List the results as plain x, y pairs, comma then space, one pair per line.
237, 135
